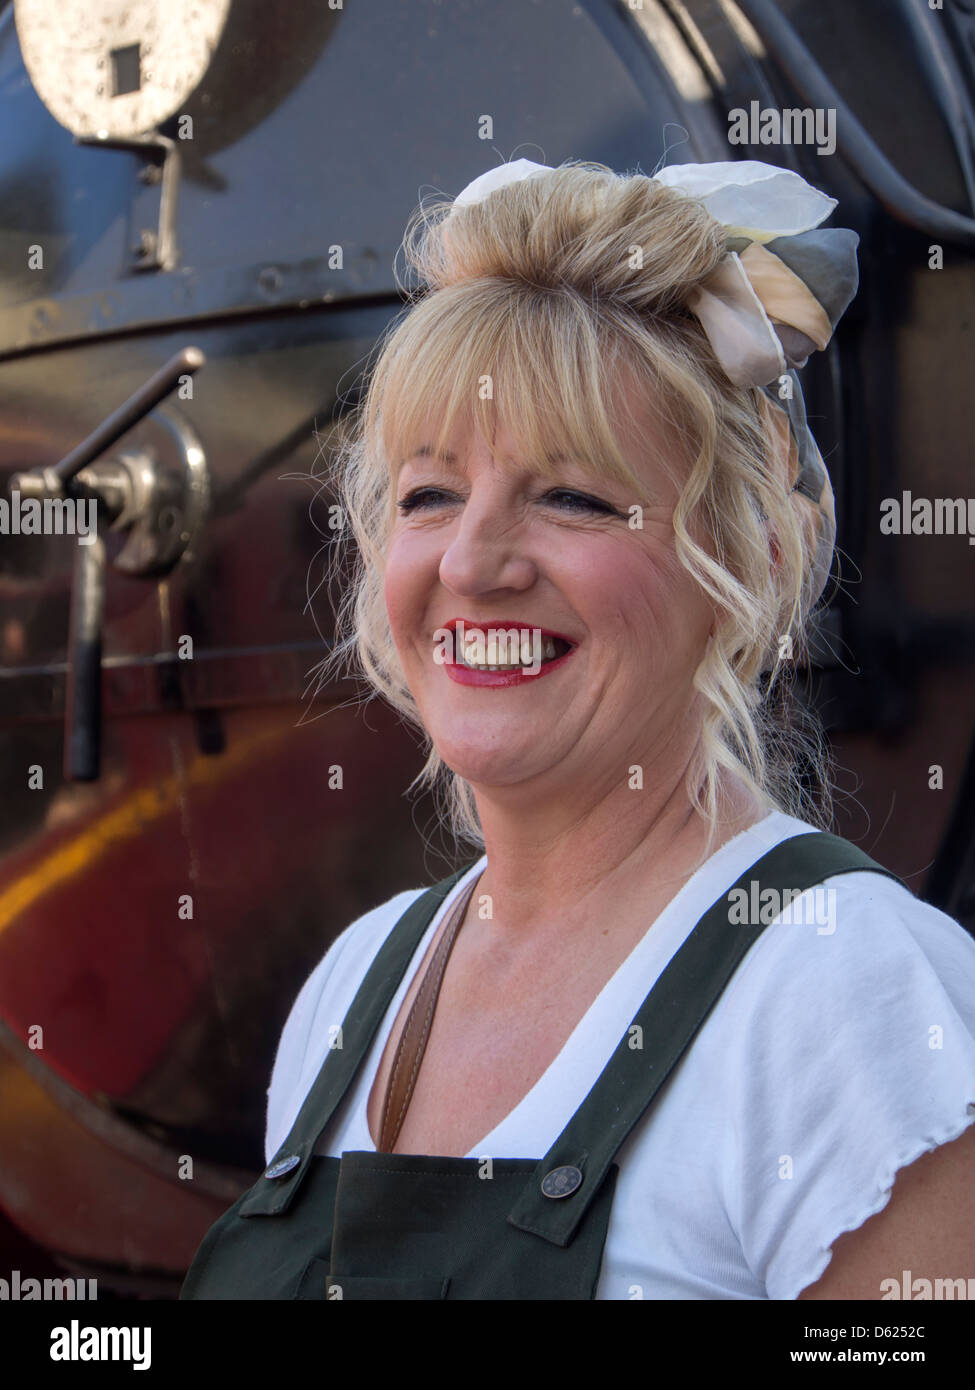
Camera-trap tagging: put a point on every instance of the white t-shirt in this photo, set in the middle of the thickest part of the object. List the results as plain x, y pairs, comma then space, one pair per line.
842, 1049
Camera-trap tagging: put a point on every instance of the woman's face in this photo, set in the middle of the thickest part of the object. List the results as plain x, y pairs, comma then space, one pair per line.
489, 543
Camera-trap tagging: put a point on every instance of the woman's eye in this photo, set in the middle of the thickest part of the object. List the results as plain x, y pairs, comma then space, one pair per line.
579, 499
413, 500
419, 499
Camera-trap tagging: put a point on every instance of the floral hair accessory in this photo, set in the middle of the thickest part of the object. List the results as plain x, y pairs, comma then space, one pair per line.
775, 297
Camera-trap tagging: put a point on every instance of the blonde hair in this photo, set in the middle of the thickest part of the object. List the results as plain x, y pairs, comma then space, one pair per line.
551, 287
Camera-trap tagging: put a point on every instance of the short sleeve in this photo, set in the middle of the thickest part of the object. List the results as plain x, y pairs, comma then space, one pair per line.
853, 1054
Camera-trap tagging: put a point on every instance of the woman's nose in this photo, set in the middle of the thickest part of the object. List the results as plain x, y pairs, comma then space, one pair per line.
487, 549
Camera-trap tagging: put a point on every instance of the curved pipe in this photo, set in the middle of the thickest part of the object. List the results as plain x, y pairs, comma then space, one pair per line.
900, 198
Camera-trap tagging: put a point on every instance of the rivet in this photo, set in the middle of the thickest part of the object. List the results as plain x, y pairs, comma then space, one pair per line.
562, 1182
282, 1166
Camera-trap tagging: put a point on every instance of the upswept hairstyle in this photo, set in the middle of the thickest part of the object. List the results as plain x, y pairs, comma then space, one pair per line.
550, 288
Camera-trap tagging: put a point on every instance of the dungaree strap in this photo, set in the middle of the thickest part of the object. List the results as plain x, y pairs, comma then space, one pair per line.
669, 1018
273, 1195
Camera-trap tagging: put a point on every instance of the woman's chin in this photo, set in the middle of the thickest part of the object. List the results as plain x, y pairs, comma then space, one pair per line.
487, 771
488, 765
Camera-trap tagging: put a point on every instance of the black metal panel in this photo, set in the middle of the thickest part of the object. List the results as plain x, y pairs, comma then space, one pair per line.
370, 107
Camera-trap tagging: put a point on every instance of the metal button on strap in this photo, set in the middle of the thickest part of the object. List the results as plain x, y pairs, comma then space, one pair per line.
561, 1182
282, 1166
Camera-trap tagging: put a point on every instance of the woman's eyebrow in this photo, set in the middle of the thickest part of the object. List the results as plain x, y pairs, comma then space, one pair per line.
450, 459
427, 451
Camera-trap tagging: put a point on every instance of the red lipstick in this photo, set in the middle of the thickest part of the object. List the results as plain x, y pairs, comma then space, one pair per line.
465, 675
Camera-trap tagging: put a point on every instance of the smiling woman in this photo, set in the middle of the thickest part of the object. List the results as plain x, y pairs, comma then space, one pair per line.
583, 456
537, 329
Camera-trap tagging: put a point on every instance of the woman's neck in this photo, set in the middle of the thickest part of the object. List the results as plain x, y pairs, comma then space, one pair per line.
606, 859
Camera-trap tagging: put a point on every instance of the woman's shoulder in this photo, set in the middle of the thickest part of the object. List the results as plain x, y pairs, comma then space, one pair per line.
861, 998
860, 928
866, 884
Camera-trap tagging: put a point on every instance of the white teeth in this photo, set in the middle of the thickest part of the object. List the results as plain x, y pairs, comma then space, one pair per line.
490, 647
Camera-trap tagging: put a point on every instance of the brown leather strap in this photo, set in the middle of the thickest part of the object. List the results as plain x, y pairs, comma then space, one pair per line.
413, 1040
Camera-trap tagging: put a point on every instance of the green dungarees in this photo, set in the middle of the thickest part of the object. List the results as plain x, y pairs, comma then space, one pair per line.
415, 1226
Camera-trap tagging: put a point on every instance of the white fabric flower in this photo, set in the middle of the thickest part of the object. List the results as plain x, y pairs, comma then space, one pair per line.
750, 197
514, 172
747, 196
